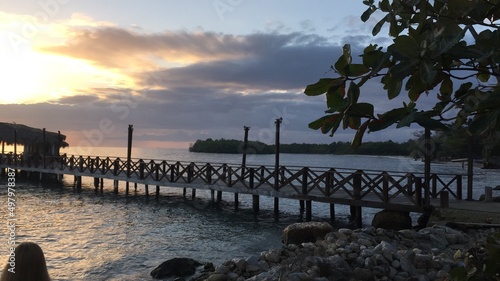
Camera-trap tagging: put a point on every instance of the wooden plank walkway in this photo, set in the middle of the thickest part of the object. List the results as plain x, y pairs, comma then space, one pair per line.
357, 188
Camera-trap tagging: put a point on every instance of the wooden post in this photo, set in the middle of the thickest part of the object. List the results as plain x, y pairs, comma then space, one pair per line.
459, 187
146, 188
79, 183
129, 156
488, 194
385, 187
193, 194
277, 165
115, 186
157, 178
444, 199
43, 149
255, 198
219, 196
184, 191
358, 216
236, 201
102, 183
304, 187
212, 196
15, 147
470, 167
245, 150
190, 169
427, 157
96, 184
418, 191
308, 210
434, 185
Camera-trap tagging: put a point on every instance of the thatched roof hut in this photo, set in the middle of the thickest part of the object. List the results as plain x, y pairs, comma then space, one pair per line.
32, 139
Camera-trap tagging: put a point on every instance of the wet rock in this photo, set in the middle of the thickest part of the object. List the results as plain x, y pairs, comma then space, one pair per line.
305, 232
395, 220
175, 267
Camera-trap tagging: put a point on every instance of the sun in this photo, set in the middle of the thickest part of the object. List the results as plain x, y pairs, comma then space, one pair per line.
21, 78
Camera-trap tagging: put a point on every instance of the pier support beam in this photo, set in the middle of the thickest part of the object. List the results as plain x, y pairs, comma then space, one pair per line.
236, 201
78, 183
96, 183
146, 189
276, 205
135, 186
212, 196
115, 186
157, 191
193, 194
332, 213
219, 197
184, 193
126, 187
308, 210
255, 203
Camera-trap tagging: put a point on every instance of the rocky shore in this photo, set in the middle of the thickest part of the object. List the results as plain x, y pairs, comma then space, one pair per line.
362, 254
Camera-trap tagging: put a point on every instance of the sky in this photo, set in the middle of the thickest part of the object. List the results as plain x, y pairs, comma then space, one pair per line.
178, 71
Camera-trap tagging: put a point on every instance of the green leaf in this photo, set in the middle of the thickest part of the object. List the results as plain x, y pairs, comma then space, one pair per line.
407, 120
393, 86
387, 119
384, 6
335, 101
319, 123
459, 273
358, 137
405, 46
356, 70
361, 109
427, 72
378, 26
366, 14
430, 123
319, 87
353, 93
341, 64
446, 87
464, 88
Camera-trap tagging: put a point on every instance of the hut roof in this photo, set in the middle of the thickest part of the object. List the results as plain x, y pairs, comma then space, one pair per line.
29, 136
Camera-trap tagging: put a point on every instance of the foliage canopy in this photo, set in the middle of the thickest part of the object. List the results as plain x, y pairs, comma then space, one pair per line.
450, 49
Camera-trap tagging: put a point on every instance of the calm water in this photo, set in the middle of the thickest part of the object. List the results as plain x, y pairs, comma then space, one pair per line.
89, 236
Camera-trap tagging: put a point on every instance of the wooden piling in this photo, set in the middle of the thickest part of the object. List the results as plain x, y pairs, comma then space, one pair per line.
79, 182
146, 189
308, 210
212, 196
115, 186
236, 201
157, 191
96, 183
193, 193
276, 205
219, 197
255, 203
358, 213
444, 199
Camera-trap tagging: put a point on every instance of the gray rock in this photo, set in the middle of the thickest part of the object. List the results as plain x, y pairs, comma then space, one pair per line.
406, 265
252, 260
297, 276
175, 267
241, 264
388, 219
438, 241
396, 264
252, 268
232, 276
362, 274
299, 233
273, 256
217, 277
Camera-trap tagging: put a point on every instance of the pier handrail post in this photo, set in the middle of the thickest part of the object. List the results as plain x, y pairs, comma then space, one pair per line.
251, 178
229, 176
209, 173
157, 172
172, 172
385, 187
80, 164
224, 172
434, 185
190, 169
142, 166
356, 182
116, 166
329, 181
262, 169
62, 161
129, 149
418, 191
459, 187
305, 176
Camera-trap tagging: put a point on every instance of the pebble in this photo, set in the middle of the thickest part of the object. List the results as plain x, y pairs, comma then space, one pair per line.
361, 254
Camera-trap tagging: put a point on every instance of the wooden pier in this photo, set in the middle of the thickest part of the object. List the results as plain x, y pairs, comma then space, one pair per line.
357, 188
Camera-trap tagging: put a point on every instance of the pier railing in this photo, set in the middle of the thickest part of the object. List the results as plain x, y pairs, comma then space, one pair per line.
322, 184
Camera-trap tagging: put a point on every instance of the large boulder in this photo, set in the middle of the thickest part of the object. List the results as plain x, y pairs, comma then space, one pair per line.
389, 219
176, 267
304, 232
